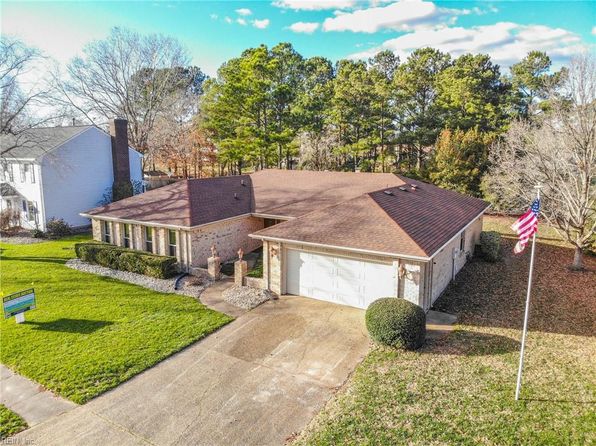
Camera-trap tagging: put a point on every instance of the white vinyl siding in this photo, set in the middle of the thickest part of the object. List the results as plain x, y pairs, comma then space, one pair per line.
342, 280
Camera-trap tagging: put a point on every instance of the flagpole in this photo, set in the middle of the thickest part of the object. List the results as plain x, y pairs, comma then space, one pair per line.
527, 313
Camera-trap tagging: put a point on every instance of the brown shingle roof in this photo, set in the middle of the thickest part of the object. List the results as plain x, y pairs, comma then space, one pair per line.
185, 203
293, 193
411, 222
332, 208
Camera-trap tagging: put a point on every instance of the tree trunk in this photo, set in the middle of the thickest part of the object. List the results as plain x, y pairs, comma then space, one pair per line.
578, 259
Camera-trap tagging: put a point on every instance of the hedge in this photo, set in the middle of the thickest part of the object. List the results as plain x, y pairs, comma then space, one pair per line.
396, 322
490, 245
124, 259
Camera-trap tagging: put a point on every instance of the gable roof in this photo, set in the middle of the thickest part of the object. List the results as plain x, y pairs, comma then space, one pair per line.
34, 142
6, 190
415, 222
185, 203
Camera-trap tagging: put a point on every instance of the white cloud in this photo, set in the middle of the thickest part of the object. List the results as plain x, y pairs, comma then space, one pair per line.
402, 15
505, 42
314, 5
261, 24
213, 16
594, 31
304, 27
228, 20
243, 11
241, 21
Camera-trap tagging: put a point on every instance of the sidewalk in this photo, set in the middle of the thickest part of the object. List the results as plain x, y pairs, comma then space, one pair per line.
28, 399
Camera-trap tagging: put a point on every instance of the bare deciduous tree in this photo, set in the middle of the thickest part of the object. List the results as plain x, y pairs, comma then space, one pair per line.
23, 95
557, 150
127, 75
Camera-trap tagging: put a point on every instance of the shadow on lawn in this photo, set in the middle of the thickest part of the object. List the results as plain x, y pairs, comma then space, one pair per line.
65, 325
38, 259
472, 343
493, 294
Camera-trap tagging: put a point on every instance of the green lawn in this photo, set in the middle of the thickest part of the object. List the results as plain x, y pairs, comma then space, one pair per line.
460, 390
10, 422
90, 333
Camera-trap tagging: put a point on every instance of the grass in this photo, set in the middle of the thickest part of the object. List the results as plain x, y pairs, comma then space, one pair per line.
460, 389
90, 333
10, 422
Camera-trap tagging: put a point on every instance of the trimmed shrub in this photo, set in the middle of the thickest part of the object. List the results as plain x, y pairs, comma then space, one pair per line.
58, 227
125, 259
38, 233
396, 322
490, 245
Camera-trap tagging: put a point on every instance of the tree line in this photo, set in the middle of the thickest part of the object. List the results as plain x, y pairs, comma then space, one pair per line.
275, 108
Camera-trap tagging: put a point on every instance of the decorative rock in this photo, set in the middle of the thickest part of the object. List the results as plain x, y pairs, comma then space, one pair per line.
247, 297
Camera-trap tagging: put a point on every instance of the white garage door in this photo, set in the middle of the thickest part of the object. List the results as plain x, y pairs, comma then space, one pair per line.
345, 281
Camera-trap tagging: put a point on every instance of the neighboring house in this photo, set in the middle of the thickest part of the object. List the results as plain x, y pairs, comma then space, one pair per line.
61, 171
348, 238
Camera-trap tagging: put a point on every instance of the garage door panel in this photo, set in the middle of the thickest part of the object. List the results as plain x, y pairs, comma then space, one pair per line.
342, 280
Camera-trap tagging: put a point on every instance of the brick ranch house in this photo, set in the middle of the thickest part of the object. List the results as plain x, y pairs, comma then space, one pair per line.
342, 237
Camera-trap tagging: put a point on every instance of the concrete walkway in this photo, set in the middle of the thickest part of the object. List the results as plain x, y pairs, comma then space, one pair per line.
28, 399
213, 299
439, 324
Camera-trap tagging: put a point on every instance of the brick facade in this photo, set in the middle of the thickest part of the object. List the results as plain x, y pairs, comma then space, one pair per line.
228, 236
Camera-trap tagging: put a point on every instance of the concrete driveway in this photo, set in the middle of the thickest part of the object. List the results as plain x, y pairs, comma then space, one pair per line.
254, 382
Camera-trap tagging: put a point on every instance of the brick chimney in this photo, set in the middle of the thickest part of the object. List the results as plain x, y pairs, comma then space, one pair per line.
122, 186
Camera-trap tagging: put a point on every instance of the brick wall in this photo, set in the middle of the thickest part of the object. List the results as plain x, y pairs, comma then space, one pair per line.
227, 236
96, 229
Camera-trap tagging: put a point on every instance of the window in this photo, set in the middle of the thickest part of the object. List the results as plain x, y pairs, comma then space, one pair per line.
24, 204
126, 236
7, 172
172, 242
24, 168
107, 231
31, 210
148, 239
462, 241
32, 170
9, 204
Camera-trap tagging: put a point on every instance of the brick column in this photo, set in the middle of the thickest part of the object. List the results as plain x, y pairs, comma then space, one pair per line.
240, 270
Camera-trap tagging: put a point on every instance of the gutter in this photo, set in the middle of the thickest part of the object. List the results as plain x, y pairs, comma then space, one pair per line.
158, 225
342, 248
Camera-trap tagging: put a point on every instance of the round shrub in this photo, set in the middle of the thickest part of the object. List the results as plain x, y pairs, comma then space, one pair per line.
396, 322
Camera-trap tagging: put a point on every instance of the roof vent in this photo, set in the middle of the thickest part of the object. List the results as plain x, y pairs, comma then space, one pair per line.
387, 192
403, 189
414, 186
235, 195
242, 182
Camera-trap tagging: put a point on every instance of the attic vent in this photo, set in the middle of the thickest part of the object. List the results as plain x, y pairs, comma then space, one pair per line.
403, 189
387, 192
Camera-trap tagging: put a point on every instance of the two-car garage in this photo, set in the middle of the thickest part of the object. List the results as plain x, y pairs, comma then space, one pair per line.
343, 280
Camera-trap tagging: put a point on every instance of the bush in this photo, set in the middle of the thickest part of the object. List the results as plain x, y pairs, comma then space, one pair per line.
125, 259
490, 245
396, 322
38, 233
58, 227
10, 218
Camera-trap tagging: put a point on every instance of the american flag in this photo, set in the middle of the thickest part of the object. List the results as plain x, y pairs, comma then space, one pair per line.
526, 226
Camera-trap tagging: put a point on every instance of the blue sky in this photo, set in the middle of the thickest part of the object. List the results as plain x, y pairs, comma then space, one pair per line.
216, 31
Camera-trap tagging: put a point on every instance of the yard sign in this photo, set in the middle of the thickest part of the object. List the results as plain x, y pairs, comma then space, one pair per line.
17, 303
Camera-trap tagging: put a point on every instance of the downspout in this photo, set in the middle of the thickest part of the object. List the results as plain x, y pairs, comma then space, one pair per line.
41, 198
